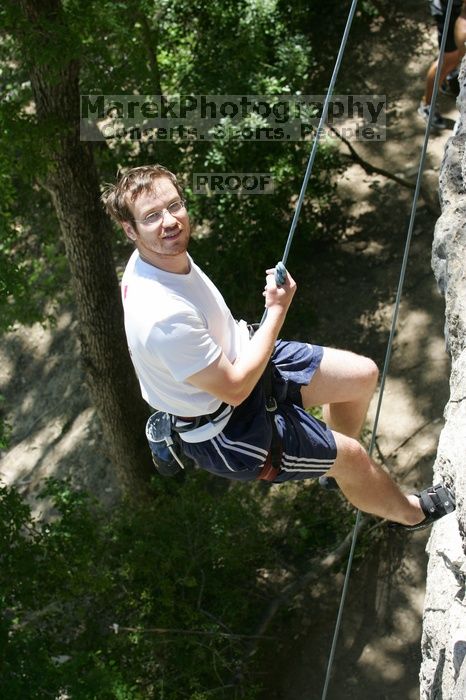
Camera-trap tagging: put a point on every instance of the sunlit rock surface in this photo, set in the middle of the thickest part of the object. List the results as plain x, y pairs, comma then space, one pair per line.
443, 669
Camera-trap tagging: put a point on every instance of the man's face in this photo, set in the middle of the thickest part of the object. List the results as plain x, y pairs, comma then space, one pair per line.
160, 242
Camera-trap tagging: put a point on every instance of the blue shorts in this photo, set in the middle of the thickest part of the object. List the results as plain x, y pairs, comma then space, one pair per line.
240, 450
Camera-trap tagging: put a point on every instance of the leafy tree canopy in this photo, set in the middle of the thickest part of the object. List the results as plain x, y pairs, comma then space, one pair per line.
141, 603
250, 47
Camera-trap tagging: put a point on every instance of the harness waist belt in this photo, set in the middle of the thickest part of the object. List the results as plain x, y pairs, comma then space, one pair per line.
193, 422
201, 428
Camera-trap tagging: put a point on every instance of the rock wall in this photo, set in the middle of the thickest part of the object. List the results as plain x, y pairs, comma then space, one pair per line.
443, 669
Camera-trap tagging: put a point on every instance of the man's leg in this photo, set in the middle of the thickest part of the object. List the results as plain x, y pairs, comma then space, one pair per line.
344, 384
450, 61
368, 487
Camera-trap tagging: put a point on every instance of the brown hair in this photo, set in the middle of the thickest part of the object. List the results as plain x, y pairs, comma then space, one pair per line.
130, 185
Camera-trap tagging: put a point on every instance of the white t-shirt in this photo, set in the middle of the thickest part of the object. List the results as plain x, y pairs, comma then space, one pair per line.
176, 325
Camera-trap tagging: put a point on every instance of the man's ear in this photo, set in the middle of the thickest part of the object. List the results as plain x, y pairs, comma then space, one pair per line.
129, 231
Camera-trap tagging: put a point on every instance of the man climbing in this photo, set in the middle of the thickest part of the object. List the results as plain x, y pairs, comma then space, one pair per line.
454, 51
213, 375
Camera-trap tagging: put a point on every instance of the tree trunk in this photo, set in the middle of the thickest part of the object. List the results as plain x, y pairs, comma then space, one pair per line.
73, 183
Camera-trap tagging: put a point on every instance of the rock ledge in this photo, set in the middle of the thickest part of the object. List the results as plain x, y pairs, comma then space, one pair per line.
443, 668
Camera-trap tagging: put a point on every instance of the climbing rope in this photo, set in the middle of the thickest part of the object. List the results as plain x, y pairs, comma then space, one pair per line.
280, 273
392, 334
320, 129
280, 269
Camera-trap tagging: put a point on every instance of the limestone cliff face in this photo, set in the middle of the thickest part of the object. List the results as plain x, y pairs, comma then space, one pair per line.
443, 669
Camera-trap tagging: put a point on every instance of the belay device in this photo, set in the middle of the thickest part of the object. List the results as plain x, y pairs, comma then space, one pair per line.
165, 453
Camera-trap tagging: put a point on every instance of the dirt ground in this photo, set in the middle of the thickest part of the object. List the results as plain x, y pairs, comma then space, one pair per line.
54, 432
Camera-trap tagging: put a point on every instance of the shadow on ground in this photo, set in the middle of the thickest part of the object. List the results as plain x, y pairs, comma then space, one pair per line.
53, 427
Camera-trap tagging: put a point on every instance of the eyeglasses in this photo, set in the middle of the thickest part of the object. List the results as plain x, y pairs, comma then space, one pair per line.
157, 216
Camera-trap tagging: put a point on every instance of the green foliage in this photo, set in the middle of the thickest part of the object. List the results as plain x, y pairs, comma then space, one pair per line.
145, 602
33, 270
246, 48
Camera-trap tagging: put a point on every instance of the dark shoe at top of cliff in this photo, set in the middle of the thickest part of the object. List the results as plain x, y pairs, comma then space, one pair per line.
438, 123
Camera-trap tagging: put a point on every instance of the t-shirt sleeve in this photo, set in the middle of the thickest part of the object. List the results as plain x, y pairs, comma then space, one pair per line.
183, 343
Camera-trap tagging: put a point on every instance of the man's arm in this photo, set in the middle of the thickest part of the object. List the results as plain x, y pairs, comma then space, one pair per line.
233, 382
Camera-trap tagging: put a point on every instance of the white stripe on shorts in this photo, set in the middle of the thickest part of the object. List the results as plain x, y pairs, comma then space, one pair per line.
308, 470
306, 460
237, 446
221, 455
304, 464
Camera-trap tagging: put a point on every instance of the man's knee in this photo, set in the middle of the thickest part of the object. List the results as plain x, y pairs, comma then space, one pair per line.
351, 455
371, 372
368, 374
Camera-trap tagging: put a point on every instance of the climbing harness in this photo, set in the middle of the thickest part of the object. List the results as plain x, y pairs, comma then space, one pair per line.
185, 424
272, 464
164, 446
163, 432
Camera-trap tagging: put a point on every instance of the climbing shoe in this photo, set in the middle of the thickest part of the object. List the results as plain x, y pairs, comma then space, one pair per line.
436, 501
438, 122
451, 85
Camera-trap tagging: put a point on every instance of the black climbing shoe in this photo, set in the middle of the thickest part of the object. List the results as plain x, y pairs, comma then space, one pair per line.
436, 501
328, 483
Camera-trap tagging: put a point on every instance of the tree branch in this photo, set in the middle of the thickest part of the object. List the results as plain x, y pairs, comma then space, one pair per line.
371, 169
189, 633
317, 567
